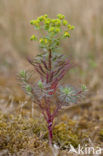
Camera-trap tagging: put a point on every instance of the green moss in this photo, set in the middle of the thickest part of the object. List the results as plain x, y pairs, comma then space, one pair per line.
20, 132
16, 133
64, 136
101, 134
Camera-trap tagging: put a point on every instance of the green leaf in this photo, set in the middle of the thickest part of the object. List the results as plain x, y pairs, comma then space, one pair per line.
40, 84
84, 88
23, 73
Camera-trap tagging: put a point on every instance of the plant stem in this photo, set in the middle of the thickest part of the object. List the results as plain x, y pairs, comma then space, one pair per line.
50, 122
50, 56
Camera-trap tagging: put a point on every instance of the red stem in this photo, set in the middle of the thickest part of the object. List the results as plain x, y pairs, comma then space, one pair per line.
50, 130
50, 56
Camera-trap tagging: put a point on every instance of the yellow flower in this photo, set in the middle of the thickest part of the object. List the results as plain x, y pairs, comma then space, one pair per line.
45, 15
58, 22
60, 16
51, 29
45, 40
40, 18
71, 27
41, 40
57, 30
33, 37
65, 22
66, 34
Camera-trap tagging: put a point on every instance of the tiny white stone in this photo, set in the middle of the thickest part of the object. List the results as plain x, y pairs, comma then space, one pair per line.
56, 147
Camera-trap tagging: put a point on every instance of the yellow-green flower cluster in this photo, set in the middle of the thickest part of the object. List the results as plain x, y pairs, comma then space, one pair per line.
60, 16
36, 23
50, 24
33, 37
43, 40
56, 22
70, 27
55, 28
65, 22
66, 34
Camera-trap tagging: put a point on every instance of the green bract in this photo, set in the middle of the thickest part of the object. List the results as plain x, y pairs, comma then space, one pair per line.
40, 84
28, 88
23, 73
33, 37
60, 16
65, 22
66, 91
66, 34
51, 31
70, 27
84, 88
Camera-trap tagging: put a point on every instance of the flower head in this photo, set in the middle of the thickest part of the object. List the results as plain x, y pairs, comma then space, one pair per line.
33, 37
65, 22
66, 34
71, 27
60, 16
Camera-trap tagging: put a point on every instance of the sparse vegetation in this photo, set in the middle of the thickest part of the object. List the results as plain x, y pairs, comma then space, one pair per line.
18, 115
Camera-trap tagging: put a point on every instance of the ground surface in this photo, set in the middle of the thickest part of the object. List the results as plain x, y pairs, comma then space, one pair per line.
22, 127
23, 130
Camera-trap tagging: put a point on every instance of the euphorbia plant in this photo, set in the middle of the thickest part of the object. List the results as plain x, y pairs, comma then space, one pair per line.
51, 66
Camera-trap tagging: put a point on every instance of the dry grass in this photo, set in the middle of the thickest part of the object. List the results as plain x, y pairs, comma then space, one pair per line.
85, 46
